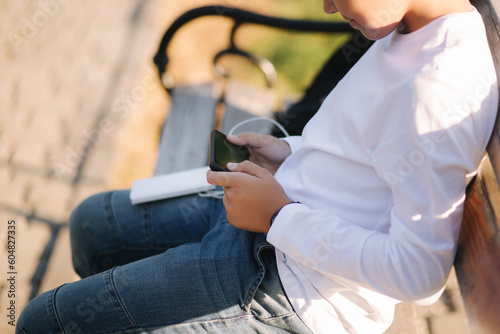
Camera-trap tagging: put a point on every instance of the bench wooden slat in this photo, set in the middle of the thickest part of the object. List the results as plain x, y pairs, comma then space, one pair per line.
494, 146
185, 136
477, 262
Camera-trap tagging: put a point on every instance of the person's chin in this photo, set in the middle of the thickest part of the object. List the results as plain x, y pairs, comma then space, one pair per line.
374, 33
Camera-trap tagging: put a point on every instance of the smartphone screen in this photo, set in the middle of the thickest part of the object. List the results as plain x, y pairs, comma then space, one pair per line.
222, 152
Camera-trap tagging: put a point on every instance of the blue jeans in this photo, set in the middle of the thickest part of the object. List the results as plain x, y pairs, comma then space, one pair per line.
173, 266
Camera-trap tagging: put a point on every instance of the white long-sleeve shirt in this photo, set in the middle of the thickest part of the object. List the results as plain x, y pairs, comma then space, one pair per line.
381, 172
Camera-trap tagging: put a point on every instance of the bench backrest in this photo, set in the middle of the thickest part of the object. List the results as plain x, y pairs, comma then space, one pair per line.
477, 262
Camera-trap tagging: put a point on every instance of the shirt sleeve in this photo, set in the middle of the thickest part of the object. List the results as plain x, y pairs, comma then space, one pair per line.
424, 159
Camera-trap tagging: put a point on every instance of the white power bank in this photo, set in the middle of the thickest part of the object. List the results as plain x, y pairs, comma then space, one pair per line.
170, 185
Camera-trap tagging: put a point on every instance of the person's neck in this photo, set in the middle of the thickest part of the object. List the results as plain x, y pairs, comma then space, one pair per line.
423, 12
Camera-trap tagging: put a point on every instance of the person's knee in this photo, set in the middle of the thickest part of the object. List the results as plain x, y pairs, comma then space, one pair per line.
34, 318
87, 212
31, 312
90, 212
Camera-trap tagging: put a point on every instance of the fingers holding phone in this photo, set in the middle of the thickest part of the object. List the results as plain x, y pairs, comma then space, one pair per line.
266, 151
251, 195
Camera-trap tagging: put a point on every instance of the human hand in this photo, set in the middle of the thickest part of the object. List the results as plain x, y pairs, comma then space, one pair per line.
266, 151
251, 195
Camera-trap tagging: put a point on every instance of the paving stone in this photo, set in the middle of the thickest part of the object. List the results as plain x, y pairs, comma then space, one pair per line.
85, 190
15, 189
7, 148
454, 323
30, 153
50, 198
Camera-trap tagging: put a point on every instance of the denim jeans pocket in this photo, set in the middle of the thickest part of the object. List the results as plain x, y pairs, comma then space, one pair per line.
267, 299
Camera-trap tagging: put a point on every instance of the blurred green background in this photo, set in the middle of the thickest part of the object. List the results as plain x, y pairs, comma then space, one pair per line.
299, 56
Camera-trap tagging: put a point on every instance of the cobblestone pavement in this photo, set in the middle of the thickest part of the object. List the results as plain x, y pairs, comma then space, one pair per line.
74, 74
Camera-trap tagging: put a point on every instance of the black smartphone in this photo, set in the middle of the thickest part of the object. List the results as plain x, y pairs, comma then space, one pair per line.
222, 152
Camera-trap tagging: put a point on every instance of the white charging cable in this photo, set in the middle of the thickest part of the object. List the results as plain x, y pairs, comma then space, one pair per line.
278, 125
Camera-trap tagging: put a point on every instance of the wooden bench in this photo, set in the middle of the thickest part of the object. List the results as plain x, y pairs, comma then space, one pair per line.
477, 265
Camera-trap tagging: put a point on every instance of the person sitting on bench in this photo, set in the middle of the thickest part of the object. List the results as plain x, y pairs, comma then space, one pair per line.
318, 233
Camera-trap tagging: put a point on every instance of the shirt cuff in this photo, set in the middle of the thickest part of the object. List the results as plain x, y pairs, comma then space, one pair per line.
280, 222
293, 141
